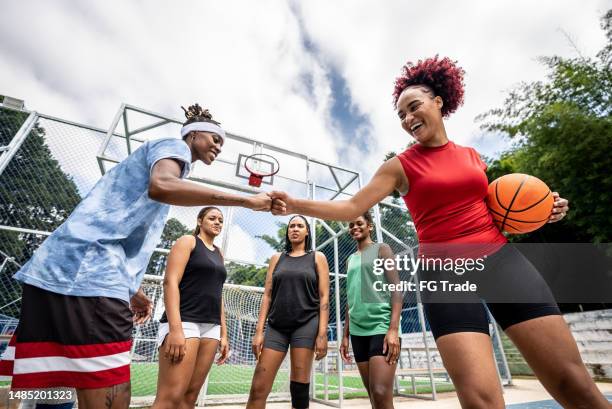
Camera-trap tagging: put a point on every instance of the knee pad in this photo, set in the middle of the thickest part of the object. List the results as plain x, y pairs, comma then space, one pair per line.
299, 394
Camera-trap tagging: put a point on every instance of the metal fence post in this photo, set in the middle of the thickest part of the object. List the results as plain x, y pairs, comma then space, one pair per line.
17, 140
424, 331
339, 363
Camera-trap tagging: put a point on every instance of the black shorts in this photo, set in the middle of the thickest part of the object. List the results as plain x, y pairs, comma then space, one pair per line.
469, 313
70, 341
367, 346
301, 337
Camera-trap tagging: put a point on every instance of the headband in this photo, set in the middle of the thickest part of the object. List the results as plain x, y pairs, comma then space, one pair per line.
202, 126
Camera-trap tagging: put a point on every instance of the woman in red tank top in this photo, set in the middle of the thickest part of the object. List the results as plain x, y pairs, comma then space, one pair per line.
444, 186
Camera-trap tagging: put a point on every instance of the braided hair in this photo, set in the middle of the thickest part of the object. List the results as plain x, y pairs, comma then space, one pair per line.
195, 113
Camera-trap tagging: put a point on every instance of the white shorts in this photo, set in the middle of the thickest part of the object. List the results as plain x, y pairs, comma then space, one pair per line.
191, 330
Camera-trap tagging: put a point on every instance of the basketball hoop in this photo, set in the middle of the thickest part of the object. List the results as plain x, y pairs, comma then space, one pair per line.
256, 176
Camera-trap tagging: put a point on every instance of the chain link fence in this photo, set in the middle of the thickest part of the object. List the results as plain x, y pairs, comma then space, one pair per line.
48, 164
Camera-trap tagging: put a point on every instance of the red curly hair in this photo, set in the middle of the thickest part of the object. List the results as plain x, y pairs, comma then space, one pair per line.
442, 76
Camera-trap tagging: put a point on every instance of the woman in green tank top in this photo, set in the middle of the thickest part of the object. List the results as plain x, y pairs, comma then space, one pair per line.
372, 318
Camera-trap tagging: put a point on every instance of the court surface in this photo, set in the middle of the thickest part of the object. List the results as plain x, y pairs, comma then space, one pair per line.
544, 404
524, 394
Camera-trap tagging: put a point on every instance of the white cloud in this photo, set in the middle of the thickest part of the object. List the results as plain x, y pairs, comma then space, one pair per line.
244, 60
241, 245
496, 42
247, 60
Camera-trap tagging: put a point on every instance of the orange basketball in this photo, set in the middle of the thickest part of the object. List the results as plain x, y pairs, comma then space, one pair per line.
519, 203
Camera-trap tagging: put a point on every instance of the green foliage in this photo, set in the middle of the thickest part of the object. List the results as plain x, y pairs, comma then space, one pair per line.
246, 274
391, 155
504, 165
398, 222
35, 193
173, 229
605, 55
346, 245
278, 242
563, 133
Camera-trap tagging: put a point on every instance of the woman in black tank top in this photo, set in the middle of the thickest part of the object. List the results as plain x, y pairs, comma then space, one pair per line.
193, 326
295, 305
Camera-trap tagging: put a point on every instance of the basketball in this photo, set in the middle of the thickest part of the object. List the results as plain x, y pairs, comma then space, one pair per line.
519, 203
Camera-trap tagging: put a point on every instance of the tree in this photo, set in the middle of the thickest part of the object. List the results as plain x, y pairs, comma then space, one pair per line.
398, 222
346, 246
277, 243
391, 155
562, 128
35, 193
246, 274
173, 229
563, 133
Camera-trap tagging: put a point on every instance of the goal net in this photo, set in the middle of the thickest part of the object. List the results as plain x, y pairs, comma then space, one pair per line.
226, 383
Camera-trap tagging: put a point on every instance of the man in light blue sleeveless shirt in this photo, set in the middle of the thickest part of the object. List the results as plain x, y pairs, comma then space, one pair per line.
81, 287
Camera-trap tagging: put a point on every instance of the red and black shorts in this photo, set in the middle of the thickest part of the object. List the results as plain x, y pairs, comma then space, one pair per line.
70, 341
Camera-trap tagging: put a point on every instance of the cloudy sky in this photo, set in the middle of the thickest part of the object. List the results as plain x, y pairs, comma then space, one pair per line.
312, 76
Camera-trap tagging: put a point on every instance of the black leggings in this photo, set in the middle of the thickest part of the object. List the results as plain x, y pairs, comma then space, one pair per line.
508, 276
